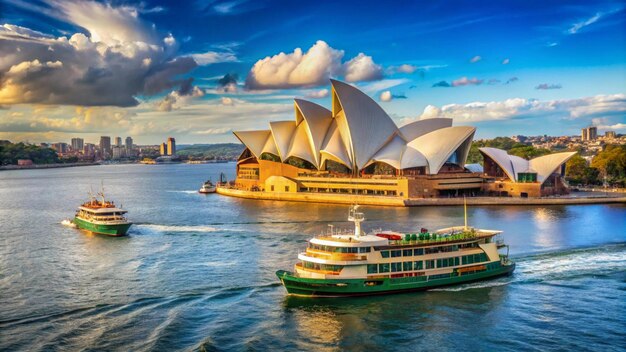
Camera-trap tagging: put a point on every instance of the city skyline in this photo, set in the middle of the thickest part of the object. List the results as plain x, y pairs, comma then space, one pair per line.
506, 69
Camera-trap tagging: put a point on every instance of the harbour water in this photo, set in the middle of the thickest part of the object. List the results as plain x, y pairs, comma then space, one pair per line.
197, 272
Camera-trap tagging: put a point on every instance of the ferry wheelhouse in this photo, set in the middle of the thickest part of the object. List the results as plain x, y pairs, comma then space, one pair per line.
102, 216
353, 264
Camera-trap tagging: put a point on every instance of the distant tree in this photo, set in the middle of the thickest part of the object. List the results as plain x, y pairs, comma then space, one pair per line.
528, 151
578, 172
10, 153
611, 163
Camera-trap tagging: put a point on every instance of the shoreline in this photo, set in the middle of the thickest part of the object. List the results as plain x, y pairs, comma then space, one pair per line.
338, 198
43, 166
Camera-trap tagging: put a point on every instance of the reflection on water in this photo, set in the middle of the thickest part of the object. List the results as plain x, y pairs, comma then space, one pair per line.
197, 272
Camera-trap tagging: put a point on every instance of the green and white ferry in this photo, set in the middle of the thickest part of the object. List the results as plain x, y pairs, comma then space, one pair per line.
381, 262
102, 217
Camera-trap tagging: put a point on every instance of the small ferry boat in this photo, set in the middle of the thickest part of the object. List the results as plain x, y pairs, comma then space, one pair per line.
356, 264
207, 187
101, 216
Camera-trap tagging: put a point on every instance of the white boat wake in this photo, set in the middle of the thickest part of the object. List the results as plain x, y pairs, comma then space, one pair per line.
68, 223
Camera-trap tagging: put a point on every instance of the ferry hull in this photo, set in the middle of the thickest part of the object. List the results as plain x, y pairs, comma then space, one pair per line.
298, 286
109, 230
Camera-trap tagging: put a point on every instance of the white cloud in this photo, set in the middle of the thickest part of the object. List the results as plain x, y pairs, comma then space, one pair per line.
587, 107
211, 131
362, 68
373, 87
120, 58
464, 81
212, 57
310, 69
475, 59
386, 96
582, 24
506, 61
406, 68
317, 94
177, 99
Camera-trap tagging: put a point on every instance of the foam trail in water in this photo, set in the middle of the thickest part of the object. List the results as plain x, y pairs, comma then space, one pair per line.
68, 223
186, 192
153, 228
559, 266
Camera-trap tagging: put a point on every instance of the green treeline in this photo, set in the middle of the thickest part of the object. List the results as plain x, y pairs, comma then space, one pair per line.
609, 165
11, 152
224, 151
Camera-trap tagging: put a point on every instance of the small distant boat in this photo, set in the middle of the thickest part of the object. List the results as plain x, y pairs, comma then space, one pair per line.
102, 217
207, 187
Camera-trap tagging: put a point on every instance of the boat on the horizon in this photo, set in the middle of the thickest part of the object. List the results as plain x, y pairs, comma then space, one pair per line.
102, 217
207, 187
381, 262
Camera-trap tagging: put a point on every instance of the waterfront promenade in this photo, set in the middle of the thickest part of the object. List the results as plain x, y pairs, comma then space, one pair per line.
342, 198
44, 166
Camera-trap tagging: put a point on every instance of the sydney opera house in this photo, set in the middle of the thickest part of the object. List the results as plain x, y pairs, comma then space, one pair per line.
356, 149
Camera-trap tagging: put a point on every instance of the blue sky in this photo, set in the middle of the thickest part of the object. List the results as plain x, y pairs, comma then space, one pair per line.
197, 70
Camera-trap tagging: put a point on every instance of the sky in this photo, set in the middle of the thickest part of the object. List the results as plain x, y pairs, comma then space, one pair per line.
197, 70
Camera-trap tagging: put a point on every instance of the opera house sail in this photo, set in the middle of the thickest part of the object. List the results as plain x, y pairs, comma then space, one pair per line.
356, 148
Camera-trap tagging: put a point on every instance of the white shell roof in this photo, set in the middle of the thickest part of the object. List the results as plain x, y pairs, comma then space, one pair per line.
418, 128
282, 132
317, 120
548, 164
270, 146
333, 147
368, 125
253, 140
438, 146
357, 133
300, 145
544, 166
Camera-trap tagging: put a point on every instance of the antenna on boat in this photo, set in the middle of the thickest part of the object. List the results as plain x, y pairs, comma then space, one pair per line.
102, 191
357, 218
465, 211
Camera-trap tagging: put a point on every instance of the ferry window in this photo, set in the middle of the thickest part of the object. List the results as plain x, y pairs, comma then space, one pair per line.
272, 188
407, 252
286, 188
364, 249
385, 254
456, 261
464, 260
372, 268
440, 264
407, 266
430, 264
418, 265
396, 253
395, 267
383, 268
455, 247
419, 251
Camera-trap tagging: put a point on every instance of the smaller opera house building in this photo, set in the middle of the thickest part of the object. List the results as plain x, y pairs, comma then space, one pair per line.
356, 148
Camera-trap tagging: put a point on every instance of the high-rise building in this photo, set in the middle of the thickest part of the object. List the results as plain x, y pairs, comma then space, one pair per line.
129, 143
609, 134
60, 148
592, 133
118, 141
171, 146
163, 149
89, 149
118, 152
78, 144
583, 134
105, 147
